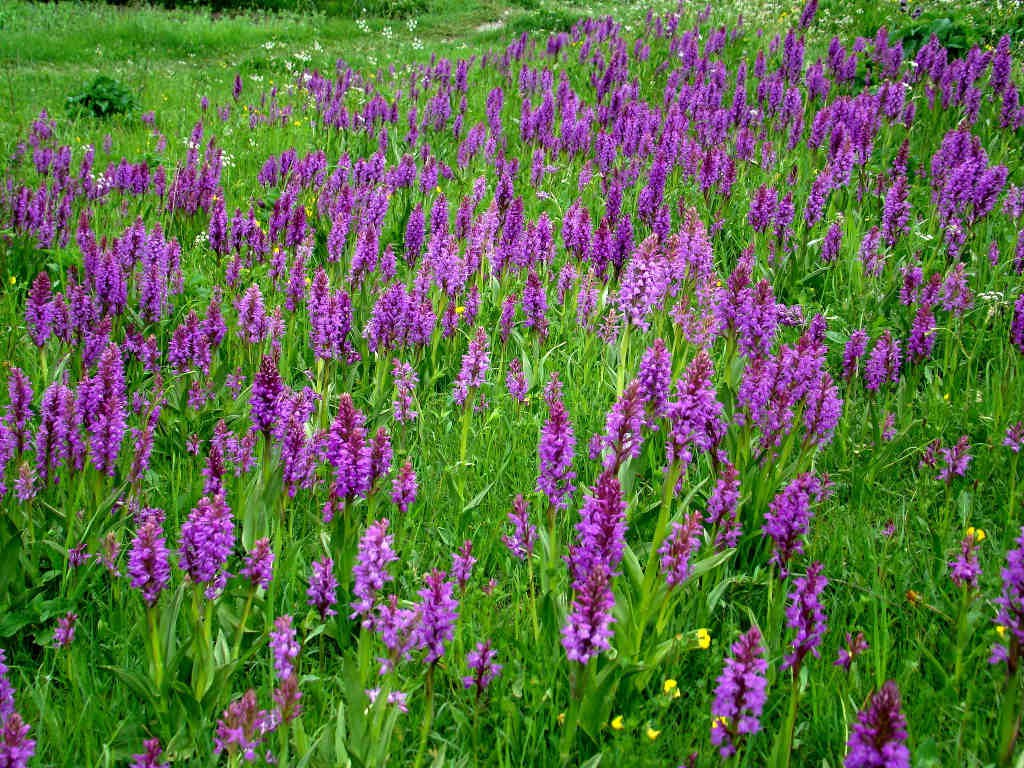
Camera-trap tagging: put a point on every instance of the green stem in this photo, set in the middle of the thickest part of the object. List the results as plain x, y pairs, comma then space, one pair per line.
428, 718
241, 625
573, 719
667, 494
154, 642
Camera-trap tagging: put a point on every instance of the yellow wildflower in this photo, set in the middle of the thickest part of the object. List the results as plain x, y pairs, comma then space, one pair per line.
977, 533
670, 688
460, 310
703, 639
12, 280
561, 718
1001, 630
617, 724
652, 734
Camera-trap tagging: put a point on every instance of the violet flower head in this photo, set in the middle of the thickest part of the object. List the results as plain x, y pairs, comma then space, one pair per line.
556, 449
404, 487
587, 629
1017, 325
241, 728
535, 305
696, 420
853, 352
266, 389
722, 508
655, 377
348, 452
789, 516
740, 695
406, 380
475, 363
515, 381
370, 571
877, 738
151, 757
259, 564
601, 529
1014, 438
284, 647
64, 634
16, 748
1011, 608
524, 535
207, 538
148, 563
623, 435
438, 612
965, 569
956, 459
677, 548
855, 646
481, 662
323, 587
883, 363
805, 614
462, 564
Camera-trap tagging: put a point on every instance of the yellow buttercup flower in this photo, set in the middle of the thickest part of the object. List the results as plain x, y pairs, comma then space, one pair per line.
460, 311
977, 533
617, 724
13, 280
703, 639
561, 718
1001, 630
652, 734
670, 688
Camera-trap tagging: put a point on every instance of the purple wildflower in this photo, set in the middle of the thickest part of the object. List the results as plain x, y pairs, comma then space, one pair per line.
520, 542
655, 377
404, 487
259, 564
64, 634
876, 740
475, 363
789, 516
740, 695
677, 548
370, 572
556, 449
855, 646
515, 381
207, 538
462, 564
535, 305
1014, 436
148, 563
721, 511
322, 592
956, 460
438, 612
804, 614
151, 757
284, 647
1011, 608
965, 569
406, 380
242, 727
587, 629
481, 661
1017, 326
883, 363
853, 352
16, 749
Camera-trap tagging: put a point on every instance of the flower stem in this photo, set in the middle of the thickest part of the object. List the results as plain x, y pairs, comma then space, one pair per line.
428, 718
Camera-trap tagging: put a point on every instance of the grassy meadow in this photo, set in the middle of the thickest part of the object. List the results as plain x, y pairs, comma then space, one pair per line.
492, 384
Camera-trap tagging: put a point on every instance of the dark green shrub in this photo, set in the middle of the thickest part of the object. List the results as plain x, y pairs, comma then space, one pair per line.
103, 97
